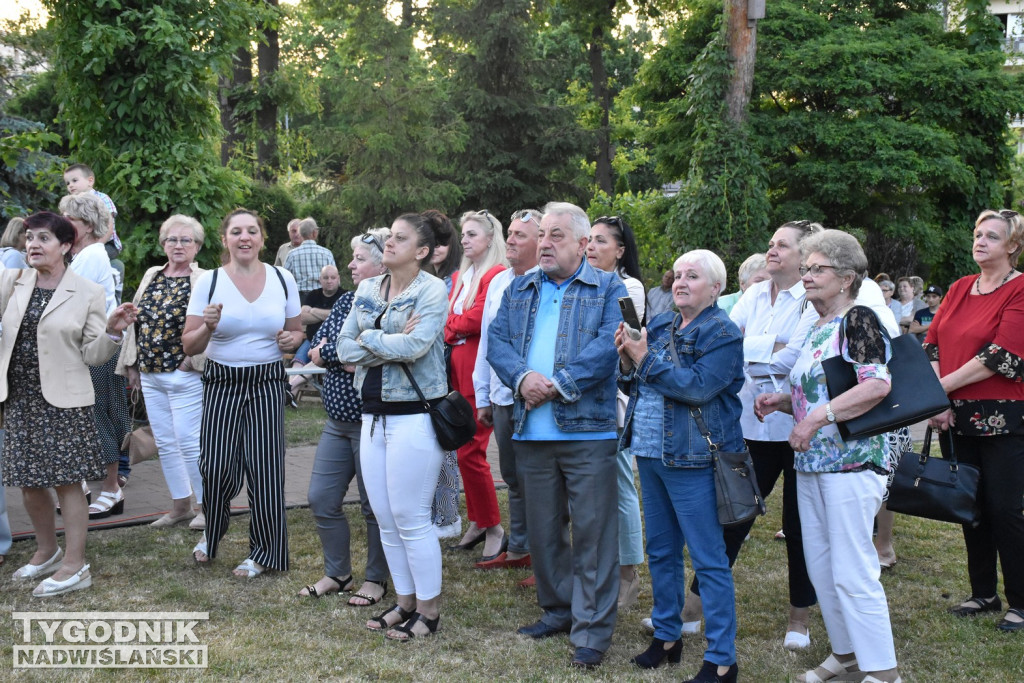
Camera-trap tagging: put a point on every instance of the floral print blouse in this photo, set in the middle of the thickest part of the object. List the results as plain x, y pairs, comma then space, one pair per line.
161, 321
868, 349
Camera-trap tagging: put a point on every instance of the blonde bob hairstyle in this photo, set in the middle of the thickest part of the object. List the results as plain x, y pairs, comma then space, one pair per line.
181, 220
89, 209
1014, 229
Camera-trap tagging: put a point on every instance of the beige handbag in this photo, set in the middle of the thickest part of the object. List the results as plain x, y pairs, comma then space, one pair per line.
140, 443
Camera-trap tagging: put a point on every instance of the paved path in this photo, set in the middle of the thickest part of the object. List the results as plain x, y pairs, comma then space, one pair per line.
146, 496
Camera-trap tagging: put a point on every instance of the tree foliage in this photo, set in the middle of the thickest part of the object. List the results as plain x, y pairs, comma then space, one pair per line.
870, 117
525, 150
136, 88
385, 134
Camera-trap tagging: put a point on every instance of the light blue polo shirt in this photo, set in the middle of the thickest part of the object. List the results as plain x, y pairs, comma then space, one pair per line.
540, 422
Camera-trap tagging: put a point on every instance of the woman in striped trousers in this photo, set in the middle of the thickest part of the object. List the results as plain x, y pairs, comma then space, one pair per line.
244, 315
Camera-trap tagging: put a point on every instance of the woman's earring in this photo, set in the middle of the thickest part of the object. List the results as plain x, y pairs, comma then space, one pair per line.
842, 289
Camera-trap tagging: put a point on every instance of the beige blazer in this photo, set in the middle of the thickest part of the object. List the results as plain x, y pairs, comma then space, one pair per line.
72, 335
129, 347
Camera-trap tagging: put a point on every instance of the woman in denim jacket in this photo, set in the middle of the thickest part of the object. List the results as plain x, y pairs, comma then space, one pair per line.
397, 319
690, 360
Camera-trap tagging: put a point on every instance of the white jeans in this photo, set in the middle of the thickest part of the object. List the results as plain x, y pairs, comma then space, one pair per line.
836, 514
174, 402
400, 460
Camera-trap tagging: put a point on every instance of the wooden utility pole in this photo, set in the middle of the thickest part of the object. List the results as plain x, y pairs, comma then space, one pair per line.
741, 32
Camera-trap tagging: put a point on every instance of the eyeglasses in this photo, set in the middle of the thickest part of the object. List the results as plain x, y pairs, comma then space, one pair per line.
486, 214
814, 270
525, 215
373, 240
609, 220
183, 241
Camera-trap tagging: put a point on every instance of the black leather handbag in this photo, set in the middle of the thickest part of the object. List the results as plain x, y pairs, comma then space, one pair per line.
452, 417
737, 495
915, 392
935, 488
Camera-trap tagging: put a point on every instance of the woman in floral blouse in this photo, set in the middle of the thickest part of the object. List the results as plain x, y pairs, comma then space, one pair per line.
976, 346
840, 483
152, 357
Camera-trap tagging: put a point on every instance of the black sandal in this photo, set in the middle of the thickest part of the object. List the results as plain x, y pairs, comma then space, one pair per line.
344, 586
980, 605
370, 600
406, 628
384, 625
1007, 625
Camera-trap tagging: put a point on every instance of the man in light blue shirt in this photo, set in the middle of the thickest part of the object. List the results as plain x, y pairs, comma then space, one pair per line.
552, 341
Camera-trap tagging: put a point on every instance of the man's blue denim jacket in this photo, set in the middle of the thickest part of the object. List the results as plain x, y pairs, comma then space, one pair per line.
423, 349
709, 376
585, 355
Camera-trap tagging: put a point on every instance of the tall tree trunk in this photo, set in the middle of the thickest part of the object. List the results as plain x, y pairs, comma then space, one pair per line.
743, 50
229, 89
268, 55
602, 94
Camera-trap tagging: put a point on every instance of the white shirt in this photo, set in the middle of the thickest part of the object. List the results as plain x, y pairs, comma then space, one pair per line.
488, 388
247, 332
93, 264
764, 324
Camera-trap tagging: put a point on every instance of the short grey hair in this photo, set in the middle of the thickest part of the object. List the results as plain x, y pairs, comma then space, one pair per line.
308, 228
380, 236
843, 252
578, 218
178, 219
754, 263
89, 209
709, 262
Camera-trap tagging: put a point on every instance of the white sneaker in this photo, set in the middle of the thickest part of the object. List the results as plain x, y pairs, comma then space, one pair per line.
796, 641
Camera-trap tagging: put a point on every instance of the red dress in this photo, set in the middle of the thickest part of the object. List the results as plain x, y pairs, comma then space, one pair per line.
462, 331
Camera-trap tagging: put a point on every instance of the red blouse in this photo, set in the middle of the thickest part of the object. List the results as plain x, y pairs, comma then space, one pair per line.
967, 325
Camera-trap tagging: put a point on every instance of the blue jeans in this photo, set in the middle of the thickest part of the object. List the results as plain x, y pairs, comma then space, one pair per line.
302, 353
631, 532
5, 525
680, 510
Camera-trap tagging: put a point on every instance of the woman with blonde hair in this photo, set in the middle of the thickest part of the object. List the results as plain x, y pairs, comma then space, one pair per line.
154, 360
12, 244
483, 257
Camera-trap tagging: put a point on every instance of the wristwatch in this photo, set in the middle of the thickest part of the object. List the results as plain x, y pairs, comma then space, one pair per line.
829, 415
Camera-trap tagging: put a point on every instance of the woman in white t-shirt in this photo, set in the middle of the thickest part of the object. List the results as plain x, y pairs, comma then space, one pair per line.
244, 316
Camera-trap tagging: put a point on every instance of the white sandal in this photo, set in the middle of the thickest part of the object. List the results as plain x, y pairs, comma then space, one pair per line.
250, 568
201, 548
108, 503
78, 581
31, 571
828, 670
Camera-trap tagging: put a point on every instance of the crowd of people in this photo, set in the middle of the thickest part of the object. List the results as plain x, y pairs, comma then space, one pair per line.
524, 319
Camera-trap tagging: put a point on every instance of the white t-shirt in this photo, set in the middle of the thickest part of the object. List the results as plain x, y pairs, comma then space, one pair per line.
93, 264
247, 332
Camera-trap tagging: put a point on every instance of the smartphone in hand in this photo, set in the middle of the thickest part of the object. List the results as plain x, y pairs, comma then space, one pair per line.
630, 317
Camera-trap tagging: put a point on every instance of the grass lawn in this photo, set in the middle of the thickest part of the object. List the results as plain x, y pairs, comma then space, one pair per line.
259, 629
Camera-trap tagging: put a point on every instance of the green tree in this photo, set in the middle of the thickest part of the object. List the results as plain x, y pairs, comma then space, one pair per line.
869, 117
384, 137
136, 87
521, 149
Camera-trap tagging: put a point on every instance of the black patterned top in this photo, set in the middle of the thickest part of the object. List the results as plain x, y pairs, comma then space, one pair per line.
341, 400
161, 322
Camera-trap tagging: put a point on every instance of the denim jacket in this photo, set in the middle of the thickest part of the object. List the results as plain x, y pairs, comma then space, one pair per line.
423, 349
709, 376
585, 355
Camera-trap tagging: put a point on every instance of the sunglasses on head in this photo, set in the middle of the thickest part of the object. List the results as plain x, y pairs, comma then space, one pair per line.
525, 216
373, 240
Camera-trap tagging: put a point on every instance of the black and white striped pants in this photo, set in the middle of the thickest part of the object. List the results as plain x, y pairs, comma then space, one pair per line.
243, 434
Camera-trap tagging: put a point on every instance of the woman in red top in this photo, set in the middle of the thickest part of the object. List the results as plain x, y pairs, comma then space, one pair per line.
976, 346
483, 257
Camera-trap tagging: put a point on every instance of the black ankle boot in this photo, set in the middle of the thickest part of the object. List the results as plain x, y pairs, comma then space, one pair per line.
652, 657
709, 674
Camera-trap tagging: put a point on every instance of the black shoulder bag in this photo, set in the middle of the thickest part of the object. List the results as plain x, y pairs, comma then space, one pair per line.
914, 395
452, 416
736, 491
935, 488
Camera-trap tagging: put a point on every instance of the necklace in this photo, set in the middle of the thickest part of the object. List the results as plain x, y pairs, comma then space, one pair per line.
977, 283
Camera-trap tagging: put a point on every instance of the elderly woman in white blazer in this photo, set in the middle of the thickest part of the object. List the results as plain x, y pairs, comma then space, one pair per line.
54, 327
153, 359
